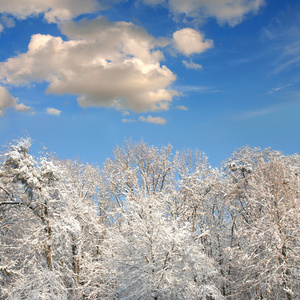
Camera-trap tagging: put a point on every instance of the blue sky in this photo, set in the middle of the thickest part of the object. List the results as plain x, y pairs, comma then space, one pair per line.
80, 77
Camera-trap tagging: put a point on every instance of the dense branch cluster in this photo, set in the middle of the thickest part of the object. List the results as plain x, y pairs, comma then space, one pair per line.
151, 224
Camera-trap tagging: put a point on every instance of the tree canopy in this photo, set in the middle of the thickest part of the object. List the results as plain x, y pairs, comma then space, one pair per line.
150, 224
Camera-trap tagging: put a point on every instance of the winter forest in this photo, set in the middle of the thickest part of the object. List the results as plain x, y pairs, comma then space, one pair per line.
152, 223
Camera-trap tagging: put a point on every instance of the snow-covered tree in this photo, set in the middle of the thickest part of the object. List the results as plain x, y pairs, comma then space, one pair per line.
49, 226
268, 249
149, 225
263, 190
22, 212
160, 257
157, 231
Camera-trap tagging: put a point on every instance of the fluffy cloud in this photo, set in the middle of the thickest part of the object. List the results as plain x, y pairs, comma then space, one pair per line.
7, 21
53, 10
192, 65
182, 107
189, 41
154, 120
8, 101
153, 2
125, 113
225, 11
1, 28
104, 63
53, 111
128, 120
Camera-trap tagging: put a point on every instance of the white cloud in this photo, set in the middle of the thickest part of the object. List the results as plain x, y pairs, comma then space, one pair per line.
22, 107
153, 2
282, 40
112, 64
7, 21
189, 41
154, 120
274, 90
53, 10
125, 113
192, 65
245, 115
225, 11
253, 113
196, 89
128, 121
8, 101
182, 107
53, 111
1, 28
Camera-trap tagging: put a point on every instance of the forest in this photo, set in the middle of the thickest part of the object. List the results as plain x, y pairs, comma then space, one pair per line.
151, 223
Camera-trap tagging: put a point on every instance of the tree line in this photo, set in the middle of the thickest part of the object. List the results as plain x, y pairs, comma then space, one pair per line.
150, 224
